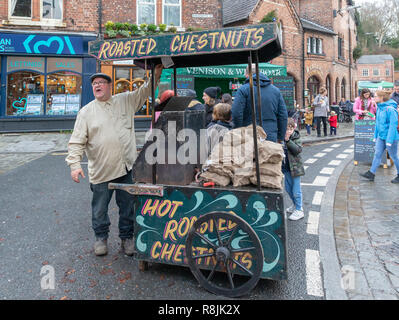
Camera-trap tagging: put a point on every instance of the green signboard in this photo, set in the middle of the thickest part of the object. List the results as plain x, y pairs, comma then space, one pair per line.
250, 37
163, 223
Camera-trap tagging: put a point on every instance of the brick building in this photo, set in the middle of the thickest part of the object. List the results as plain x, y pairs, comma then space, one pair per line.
44, 65
376, 68
318, 38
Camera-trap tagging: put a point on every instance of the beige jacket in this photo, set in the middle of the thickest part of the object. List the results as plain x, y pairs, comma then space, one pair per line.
105, 131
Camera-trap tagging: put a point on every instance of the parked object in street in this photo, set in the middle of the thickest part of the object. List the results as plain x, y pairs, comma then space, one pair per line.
237, 231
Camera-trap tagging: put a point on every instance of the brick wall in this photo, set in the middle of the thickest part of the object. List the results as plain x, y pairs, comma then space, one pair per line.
209, 11
291, 36
319, 11
388, 64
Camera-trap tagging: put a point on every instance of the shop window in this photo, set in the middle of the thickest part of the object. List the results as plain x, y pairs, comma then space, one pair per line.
171, 12
43, 86
146, 11
64, 90
52, 9
25, 94
20, 8
130, 79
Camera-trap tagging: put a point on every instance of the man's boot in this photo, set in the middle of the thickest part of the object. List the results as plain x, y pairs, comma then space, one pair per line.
396, 180
100, 247
368, 175
128, 246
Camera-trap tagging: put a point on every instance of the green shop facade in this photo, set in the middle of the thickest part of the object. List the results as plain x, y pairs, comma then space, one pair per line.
228, 77
45, 80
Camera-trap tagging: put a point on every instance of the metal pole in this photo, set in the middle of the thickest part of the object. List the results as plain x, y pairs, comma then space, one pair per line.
154, 168
251, 87
258, 88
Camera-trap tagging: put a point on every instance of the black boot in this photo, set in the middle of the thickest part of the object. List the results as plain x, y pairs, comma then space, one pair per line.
396, 180
368, 175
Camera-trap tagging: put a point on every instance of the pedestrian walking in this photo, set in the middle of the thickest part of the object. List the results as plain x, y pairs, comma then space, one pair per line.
211, 98
274, 111
333, 120
364, 106
104, 130
386, 134
293, 169
321, 108
308, 120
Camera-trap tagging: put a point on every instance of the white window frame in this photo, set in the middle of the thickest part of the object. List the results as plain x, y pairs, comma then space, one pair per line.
309, 44
51, 21
319, 46
376, 73
365, 72
16, 18
387, 72
163, 12
148, 3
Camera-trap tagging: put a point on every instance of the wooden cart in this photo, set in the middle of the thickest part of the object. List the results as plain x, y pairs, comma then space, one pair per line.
238, 234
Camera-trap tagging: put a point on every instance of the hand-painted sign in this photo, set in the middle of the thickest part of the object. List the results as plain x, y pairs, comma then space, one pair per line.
163, 223
223, 40
40, 44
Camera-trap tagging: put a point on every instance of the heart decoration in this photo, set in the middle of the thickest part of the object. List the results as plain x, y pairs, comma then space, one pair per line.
19, 104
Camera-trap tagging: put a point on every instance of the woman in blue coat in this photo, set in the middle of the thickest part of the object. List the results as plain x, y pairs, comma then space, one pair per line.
386, 134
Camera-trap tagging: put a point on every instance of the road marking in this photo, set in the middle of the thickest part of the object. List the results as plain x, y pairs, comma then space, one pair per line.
313, 274
320, 155
335, 163
348, 150
311, 160
342, 156
313, 223
327, 170
320, 181
335, 145
318, 195
328, 149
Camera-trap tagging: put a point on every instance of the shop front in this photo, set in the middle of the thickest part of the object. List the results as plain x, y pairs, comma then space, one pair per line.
45, 80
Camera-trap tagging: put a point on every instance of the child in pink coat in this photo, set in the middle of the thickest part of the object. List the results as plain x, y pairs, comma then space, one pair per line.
365, 106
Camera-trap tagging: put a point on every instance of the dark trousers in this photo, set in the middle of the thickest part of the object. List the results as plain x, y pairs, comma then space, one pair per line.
318, 123
99, 204
333, 131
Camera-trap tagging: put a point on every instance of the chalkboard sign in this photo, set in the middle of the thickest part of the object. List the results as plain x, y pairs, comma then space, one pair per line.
286, 86
364, 144
184, 83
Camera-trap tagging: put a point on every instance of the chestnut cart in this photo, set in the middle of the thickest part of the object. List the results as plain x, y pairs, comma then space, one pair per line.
229, 237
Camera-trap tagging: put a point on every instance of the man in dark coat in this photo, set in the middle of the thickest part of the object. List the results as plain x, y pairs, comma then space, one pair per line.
274, 111
395, 94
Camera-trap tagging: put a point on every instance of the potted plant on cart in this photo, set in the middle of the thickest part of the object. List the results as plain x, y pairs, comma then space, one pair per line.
110, 30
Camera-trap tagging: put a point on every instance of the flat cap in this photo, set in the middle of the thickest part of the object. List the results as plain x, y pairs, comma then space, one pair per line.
100, 75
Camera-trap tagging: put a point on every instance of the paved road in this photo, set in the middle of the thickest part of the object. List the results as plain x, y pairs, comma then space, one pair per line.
45, 225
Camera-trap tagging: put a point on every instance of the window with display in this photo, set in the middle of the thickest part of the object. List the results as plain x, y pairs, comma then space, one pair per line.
130, 79
53, 86
64, 91
25, 94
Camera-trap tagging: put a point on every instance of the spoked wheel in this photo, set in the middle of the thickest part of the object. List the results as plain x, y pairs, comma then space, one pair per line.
221, 241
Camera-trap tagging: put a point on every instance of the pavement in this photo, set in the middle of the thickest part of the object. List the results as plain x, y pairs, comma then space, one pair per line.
358, 235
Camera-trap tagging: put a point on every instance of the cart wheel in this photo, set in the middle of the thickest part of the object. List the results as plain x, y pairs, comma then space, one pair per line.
143, 265
219, 255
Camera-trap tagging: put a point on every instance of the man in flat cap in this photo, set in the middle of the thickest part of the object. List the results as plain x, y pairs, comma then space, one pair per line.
104, 129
